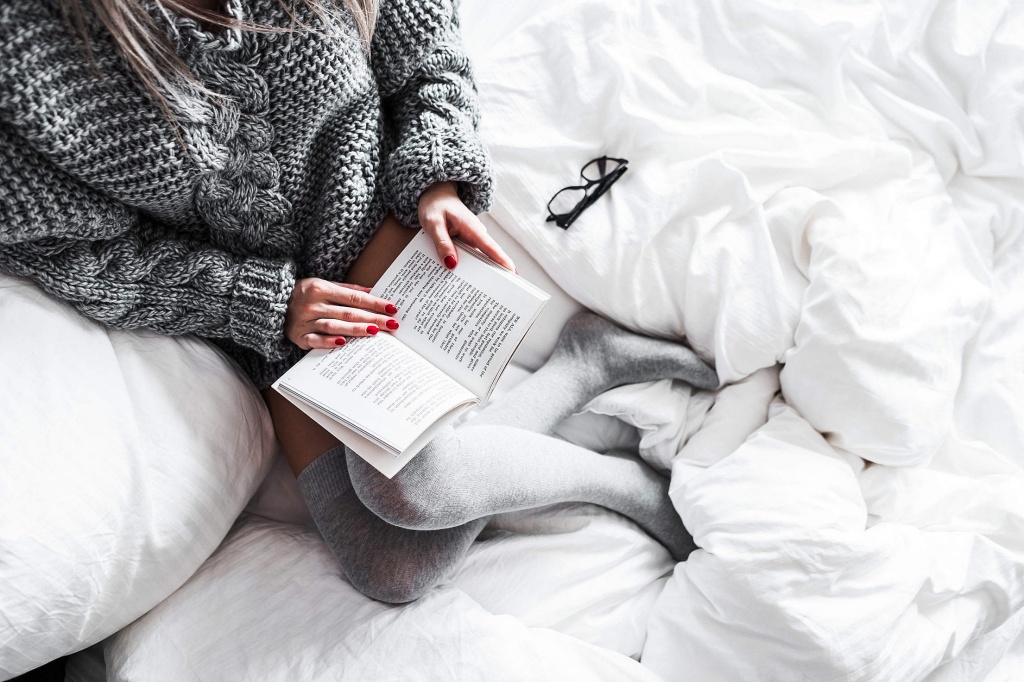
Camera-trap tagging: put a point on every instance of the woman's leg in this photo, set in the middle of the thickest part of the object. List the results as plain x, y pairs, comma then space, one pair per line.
382, 561
497, 464
592, 356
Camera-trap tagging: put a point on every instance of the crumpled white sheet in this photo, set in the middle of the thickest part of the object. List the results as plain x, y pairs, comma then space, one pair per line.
836, 187
744, 221
554, 594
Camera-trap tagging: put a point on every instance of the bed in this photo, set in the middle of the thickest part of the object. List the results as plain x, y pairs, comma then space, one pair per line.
824, 200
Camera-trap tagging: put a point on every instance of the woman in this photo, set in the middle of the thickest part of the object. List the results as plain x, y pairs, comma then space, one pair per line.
244, 172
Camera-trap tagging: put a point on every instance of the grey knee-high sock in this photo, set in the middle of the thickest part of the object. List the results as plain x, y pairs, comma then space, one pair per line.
495, 465
479, 471
382, 561
592, 356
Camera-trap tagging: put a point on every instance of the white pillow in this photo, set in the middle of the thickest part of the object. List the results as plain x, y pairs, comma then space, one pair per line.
125, 459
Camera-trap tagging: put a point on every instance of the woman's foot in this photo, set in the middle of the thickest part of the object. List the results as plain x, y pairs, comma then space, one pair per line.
651, 508
596, 346
592, 355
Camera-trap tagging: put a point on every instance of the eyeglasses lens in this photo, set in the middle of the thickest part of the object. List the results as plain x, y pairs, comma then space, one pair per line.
566, 200
600, 168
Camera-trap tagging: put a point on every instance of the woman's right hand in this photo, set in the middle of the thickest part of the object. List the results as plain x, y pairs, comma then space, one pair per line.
322, 313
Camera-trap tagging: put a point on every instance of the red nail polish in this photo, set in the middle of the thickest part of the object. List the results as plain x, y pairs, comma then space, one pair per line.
390, 309
450, 262
372, 329
339, 341
392, 324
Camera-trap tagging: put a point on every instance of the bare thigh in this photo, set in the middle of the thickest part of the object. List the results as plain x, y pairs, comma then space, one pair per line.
302, 439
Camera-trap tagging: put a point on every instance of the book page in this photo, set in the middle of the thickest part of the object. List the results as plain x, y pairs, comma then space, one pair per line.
466, 321
380, 459
377, 387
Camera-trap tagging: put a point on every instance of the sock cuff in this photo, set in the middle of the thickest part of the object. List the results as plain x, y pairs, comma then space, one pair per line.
326, 477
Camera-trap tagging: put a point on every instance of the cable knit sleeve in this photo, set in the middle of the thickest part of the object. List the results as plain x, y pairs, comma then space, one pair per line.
430, 106
125, 270
68, 142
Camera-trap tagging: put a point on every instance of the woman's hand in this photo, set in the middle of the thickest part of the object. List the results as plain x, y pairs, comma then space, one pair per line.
322, 313
443, 215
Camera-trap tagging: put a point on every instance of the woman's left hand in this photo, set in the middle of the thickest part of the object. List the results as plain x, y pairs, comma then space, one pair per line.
443, 215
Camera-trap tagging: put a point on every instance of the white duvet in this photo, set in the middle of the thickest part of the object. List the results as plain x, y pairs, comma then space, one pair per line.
835, 187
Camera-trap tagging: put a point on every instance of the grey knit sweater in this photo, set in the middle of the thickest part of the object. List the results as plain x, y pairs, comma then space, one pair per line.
104, 207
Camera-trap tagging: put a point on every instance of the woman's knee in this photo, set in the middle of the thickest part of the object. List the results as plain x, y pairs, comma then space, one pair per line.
389, 589
395, 575
425, 495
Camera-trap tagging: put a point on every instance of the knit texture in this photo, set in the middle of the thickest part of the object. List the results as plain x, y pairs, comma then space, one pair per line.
286, 176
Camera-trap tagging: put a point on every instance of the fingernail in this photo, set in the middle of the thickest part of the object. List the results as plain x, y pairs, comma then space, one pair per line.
517, 272
392, 324
390, 309
450, 262
372, 329
339, 341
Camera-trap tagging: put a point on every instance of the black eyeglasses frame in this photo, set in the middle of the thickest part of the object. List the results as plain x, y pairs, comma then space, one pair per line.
564, 220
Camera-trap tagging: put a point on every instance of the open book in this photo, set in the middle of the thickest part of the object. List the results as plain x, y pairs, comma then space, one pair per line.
385, 396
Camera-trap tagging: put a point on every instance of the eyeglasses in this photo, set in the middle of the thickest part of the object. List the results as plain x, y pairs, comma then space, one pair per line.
568, 203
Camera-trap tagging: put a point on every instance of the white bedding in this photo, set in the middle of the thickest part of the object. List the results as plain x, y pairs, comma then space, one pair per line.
125, 458
271, 605
836, 187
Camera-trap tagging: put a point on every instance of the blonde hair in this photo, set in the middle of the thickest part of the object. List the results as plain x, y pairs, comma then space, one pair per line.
150, 54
